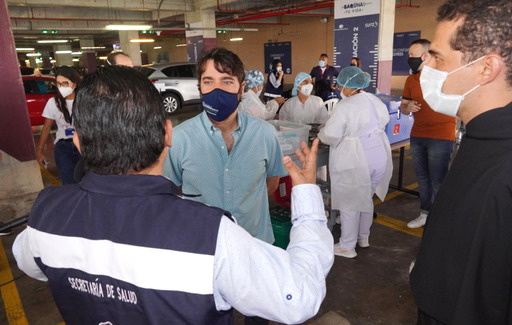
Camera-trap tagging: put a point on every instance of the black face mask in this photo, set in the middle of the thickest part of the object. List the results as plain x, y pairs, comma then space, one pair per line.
414, 64
352, 65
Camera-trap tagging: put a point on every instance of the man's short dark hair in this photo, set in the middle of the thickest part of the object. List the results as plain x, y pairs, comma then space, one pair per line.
224, 61
487, 28
120, 120
112, 57
425, 43
324, 54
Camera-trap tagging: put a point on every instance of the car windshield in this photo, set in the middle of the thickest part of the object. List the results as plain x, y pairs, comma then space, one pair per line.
147, 71
180, 71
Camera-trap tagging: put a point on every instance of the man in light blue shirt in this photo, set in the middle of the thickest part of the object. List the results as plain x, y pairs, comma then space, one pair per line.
231, 160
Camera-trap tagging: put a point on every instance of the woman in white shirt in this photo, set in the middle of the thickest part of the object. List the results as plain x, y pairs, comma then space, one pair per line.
59, 110
360, 162
251, 103
303, 107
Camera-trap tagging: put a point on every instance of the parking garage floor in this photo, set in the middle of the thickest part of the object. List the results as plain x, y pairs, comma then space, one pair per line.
371, 289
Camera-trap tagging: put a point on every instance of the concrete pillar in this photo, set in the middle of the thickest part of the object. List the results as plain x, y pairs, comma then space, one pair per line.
64, 58
386, 32
19, 172
132, 49
88, 57
197, 40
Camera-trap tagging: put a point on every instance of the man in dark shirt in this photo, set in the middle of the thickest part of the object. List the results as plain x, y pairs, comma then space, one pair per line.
463, 270
324, 78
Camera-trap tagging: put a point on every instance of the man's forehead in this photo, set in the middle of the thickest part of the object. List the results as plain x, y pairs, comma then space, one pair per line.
445, 30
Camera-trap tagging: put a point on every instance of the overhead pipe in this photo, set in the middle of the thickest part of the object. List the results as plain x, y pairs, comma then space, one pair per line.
406, 6
219, 9
279, 12
294, 9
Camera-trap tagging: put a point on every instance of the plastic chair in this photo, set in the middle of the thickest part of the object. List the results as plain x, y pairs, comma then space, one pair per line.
329, 104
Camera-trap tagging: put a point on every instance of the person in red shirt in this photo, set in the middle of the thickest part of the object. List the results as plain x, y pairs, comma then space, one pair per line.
432, 135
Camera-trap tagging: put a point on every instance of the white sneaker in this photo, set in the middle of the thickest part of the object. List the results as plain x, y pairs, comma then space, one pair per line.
363, 242
338, 251
419, 221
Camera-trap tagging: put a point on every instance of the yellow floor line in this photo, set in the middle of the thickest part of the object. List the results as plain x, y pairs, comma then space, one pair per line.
396, 193
46, 174
10, 296
397, 225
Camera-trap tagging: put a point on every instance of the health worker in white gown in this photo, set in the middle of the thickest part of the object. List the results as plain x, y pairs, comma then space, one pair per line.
251, 103
303, 107
360, 162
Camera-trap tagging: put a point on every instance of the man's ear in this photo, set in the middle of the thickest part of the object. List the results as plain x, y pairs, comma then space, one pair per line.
242, 88
492, 66
76, 141
168, 133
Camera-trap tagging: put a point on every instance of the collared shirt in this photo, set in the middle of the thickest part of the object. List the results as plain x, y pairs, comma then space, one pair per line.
131, 214
236, 182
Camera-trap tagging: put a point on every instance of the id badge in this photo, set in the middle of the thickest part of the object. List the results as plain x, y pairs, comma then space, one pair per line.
70, 131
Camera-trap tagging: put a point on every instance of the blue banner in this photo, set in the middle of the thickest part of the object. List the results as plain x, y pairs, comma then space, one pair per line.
281, 51
356, 33
401, 44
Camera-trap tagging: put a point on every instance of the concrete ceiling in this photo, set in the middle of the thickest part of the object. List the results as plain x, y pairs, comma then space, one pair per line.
75, 20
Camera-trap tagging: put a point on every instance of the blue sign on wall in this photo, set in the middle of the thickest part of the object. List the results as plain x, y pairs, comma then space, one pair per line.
281, 51
356, 33
358, 37
401, 44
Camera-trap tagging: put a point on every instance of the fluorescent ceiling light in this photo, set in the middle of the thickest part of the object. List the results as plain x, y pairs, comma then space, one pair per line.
63, 52
54, 41
53, 61
76, 53
236, 39
157, 47
76, 60
33, 54
178, 45
102, 57
25, 49
128, 27
93, 47
142, 40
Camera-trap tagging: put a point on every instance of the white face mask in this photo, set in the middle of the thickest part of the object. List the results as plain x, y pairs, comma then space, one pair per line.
65, 91
306, 89
279, 69
432, 80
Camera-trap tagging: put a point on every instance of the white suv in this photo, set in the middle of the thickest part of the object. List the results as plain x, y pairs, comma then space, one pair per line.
177, 83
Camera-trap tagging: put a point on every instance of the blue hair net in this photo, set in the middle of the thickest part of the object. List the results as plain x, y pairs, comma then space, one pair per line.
353, 77
298, 79
253, 78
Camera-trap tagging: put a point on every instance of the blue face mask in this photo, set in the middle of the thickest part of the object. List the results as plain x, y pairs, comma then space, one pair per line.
321, 63
220, 104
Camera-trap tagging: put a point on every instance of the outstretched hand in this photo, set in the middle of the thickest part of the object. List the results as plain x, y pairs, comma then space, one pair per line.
307, 157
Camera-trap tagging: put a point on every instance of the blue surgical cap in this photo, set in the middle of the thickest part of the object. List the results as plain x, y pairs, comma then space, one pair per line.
300, 78
253, 78
353, 77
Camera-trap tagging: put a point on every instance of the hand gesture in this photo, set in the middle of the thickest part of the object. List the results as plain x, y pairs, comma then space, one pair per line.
280, 100
307, 157
413, 106
40, 158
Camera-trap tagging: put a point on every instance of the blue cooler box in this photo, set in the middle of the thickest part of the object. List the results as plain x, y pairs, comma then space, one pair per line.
399, 125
